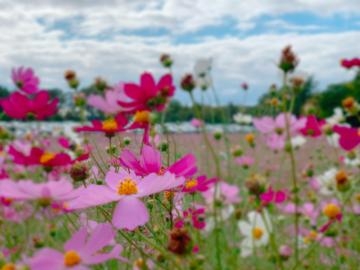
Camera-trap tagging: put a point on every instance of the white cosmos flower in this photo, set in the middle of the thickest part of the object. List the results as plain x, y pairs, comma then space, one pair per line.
225, 214
333, 140
353, 162
256, 231
243, 119
336, 118
298, 141
202, 67
327, 182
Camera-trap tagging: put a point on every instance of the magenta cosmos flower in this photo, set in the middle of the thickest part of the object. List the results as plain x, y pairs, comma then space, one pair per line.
109, 126
349, 137
350, 63
126, 188
20, 106
148, 95
38, 156
80, 252
312, 126
273, 196
25, 79
150, 162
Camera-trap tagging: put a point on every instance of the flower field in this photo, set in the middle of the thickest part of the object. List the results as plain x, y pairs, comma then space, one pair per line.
120, 191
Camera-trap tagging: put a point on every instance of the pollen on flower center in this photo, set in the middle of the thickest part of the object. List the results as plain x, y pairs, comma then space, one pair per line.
191, 183
257, 233
142, 117
331, 210
46, 157
109, 125
127, 187
71, 258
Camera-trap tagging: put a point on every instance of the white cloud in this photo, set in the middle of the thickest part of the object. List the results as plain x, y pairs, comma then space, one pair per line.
27, 39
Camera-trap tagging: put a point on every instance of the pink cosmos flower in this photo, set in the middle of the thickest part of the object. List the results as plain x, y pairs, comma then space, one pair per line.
271, 196
52, 192
196, 123
245, 161
150, 162
269, 125
20, 106
25, 79
109, 127
275, 129
349, 137
126, 188
312, 127
310, 211
80, 252
148, 95
107, 104
227, 193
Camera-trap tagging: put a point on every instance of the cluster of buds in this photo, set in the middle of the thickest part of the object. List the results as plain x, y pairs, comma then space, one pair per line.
100, 84
288, 60
71, 78
179, 241
188, 83
166, 61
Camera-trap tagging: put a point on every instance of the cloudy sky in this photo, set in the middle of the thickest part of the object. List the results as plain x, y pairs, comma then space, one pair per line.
119, 39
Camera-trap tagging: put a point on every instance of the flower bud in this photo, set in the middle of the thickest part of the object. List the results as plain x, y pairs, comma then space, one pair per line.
179, 241
79, 172
188, 83
165, 60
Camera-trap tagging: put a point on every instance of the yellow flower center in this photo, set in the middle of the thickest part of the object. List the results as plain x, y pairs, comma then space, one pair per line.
142, 117
257, 233
357, 197
127, 187
109, 125
46, 157
311, 237
8, 266
250, 137
191, 183
331, 210
71, 258
358, 132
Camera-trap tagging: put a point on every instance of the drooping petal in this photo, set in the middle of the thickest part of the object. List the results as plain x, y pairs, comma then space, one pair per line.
130, 213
